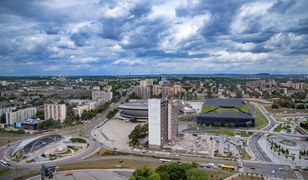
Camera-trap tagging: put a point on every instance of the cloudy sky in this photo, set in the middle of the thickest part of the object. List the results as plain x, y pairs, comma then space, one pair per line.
85, 37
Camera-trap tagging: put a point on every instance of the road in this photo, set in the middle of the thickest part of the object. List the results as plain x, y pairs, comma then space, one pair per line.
84, 131
265, 167
256, 149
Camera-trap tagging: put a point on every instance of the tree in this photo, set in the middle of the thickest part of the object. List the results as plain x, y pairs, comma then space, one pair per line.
299, 95
3, 119
144, 174
111, 113
196, 174
20, 131
238, 94
300, 106
133, 95
49, 124
40, 114
140, 131
275, 106
174, 171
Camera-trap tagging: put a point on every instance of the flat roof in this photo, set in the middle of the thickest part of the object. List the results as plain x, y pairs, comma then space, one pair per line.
232, 102
238, 115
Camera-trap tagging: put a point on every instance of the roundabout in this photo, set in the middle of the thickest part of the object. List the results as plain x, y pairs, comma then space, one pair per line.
47, 149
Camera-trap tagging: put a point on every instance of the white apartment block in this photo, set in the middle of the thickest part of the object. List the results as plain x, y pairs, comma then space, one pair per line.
20, 115
154, 113
86, 107
143, 92
55, 111
7, 109
102, 95
80, 109
162, 122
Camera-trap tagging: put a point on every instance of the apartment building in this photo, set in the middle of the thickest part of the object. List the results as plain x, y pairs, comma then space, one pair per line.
55, 111
19, 116
162, 121
102, 95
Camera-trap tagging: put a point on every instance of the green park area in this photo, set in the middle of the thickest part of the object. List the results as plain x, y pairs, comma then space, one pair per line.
260, 120
230, 132
284, 126
211, 108
244, 108
7, 137
189, 171
207, 108
4, 171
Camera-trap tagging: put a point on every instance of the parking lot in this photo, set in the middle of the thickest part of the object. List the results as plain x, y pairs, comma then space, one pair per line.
115, 133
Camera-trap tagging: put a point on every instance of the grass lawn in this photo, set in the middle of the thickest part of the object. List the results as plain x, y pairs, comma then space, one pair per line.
185, 117
228, 132
4, 171
207, 108
278, 128
110, 164
218, 174
245, 156
245, 133
221, 110
244, 108
134, 164
103, 152
283, 109
260, 120
245, 177
6, 138
17, 174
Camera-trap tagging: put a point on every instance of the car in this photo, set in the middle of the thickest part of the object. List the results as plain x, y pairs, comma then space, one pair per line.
273, 171
252, 168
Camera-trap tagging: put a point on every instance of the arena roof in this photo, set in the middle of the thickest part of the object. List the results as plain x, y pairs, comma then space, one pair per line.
233, 102
135, 105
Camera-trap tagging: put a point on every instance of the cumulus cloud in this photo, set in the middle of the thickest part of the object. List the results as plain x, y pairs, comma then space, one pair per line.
119, 36
128, 62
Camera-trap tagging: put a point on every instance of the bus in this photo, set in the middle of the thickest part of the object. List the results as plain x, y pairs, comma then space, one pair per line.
227, 167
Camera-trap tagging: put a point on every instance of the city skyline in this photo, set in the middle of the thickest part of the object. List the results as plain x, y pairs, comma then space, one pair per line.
156, 37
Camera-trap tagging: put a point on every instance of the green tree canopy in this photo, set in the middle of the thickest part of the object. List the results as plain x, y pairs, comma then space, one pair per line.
144, 174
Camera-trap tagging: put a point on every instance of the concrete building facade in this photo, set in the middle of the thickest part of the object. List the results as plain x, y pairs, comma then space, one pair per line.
177, 89
102, 95
7, 109
143, 92
19, 116
157, 90
162, 122
55, 111
146, 83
